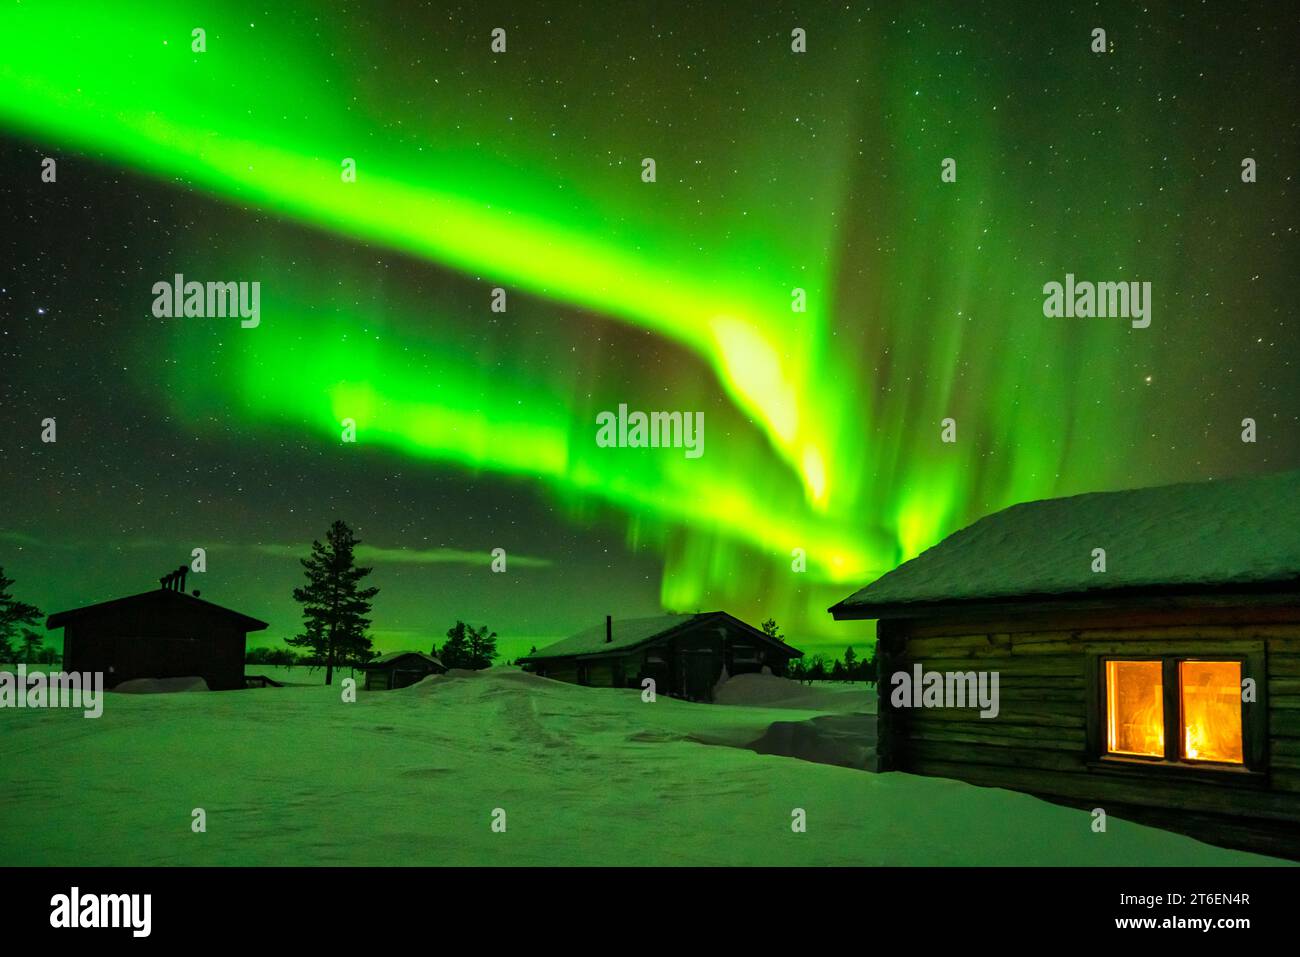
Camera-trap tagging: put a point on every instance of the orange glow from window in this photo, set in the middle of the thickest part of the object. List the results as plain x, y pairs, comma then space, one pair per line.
1211, 696
1135, 708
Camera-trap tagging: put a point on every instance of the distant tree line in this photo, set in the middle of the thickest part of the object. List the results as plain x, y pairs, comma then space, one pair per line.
29, 649
817, 668
466, 647
284, 657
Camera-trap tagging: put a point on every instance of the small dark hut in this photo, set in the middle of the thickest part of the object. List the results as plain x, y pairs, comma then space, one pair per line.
400, 669
686, 655
163, 633
1147, 650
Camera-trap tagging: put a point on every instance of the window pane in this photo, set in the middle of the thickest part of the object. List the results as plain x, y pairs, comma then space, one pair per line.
1211, 710
1135, 709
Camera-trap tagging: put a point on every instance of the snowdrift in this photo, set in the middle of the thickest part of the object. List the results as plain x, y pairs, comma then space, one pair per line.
162, 685
769, 691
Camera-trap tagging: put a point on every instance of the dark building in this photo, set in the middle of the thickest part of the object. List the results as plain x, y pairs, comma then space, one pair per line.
684, 654
163, 633
1147, 649
400, 669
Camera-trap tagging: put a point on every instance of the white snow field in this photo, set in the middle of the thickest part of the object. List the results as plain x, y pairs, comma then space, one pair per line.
296, 776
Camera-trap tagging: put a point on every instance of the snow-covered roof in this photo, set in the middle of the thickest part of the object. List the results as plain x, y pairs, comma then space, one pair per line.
394, 655
1213, 534
630, 632
627, 633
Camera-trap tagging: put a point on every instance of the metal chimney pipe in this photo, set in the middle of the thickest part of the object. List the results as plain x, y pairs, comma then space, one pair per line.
609, 629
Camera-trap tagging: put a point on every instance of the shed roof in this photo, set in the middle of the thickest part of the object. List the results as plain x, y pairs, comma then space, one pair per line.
1206, 535
629, 633
395, 655
164, 600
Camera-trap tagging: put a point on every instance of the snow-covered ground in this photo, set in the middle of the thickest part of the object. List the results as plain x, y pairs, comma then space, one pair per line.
297, 776
770, 692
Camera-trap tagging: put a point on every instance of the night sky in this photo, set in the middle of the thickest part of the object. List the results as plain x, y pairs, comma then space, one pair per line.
523, 170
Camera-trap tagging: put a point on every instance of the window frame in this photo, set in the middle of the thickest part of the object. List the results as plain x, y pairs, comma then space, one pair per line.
1254, 730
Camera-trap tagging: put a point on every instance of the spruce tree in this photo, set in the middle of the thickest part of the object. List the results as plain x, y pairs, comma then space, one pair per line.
455, 650
13, 614
482, 647
335, 609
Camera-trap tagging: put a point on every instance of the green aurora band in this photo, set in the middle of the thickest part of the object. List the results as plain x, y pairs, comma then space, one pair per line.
828, 440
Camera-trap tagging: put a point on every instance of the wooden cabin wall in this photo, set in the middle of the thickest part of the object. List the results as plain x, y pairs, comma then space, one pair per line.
600, 672
564, 669
92, 644
689, 660
1038, 741
76, 655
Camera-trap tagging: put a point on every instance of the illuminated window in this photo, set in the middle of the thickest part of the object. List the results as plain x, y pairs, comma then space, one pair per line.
1135, 708
1209, 711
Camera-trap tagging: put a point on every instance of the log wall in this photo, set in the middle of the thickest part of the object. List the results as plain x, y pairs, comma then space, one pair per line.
1046, 737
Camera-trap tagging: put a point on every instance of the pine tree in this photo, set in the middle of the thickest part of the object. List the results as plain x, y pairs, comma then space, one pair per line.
797, 670
772, 630
816, 670
870, 669
468, 647
33, 645
455, 650
850, 663
13, 614
335, 610
482, 647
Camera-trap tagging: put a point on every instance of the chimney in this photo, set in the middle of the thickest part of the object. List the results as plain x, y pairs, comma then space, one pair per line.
174, 581
609, 628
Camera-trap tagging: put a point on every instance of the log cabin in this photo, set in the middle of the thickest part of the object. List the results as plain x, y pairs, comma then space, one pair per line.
1147, 646
400, 669
163, 633
685, 655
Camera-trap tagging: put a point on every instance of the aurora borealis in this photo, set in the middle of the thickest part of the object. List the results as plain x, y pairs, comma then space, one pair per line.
521, 170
